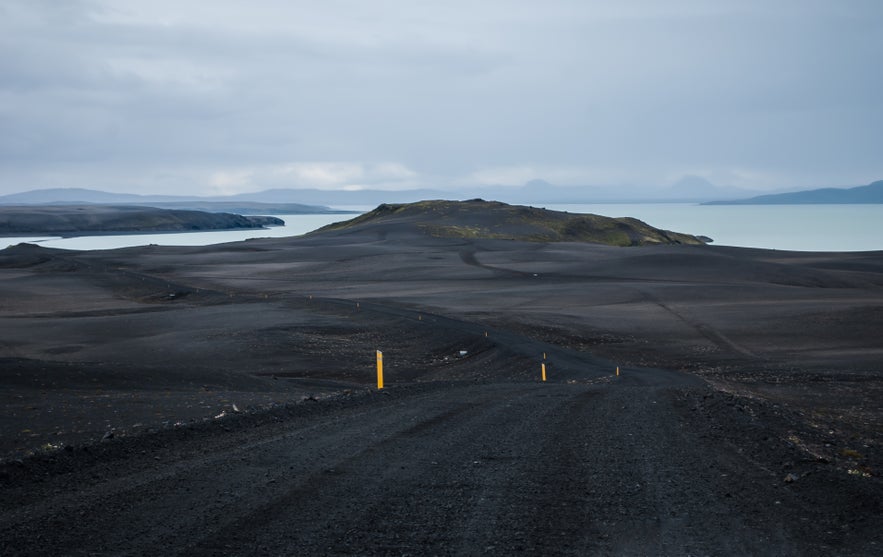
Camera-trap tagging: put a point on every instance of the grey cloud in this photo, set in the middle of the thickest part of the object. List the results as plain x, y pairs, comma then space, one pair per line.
180, 92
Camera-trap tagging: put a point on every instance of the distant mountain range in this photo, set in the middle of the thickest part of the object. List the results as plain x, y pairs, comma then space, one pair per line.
689, 189
872, 193
221, 204
295, 201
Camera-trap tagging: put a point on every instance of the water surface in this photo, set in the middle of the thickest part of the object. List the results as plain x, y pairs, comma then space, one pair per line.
783, 227
295, 225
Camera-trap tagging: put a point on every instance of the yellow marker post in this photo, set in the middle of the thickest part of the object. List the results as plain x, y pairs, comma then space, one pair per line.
544, 355
617, 371
544, 371
379, 369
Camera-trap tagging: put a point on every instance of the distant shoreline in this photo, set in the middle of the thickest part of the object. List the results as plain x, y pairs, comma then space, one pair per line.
850, 228
73, 221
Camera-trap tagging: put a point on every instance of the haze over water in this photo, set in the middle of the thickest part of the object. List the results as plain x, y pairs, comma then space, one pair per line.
782, 227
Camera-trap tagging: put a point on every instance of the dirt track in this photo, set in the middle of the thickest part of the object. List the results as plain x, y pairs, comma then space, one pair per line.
623, 466
771, 445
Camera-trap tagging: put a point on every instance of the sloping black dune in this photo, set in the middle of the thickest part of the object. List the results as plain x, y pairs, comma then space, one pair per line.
479, 219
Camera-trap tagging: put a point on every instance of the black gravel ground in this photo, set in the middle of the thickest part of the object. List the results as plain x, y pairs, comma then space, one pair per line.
219, 401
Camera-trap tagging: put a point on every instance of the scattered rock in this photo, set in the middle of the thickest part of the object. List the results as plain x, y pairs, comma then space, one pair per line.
791, 478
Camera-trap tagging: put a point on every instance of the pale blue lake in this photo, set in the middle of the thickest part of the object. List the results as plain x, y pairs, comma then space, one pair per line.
782, 227
295, 225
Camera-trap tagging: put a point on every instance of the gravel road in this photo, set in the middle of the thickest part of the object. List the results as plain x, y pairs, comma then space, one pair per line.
627, 465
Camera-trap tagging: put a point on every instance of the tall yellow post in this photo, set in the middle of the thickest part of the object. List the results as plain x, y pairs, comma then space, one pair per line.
617, 371
544, 371
379, 369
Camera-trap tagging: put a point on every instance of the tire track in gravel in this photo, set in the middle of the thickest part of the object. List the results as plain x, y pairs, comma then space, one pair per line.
612, 474
616, 467
200, 476
410, 490
707, 331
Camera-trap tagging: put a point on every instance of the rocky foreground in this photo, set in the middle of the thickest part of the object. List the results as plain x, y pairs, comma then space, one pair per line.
221, 400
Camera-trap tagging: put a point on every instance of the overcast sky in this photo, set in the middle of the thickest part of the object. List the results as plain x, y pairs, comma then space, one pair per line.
174, 96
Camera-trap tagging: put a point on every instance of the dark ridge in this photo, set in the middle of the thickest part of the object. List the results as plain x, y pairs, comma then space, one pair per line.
872, 193
479, 219
78, 220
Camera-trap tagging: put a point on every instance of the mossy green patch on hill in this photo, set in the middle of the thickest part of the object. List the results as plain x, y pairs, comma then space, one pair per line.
479, 219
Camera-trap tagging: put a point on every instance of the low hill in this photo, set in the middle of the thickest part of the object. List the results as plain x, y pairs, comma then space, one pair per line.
494, 220
872, 193
78, 220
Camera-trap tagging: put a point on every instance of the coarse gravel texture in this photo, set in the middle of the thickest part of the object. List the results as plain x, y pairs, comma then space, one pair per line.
221, 400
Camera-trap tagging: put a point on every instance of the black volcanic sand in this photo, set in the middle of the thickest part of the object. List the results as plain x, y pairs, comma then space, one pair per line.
134, 340
183, 333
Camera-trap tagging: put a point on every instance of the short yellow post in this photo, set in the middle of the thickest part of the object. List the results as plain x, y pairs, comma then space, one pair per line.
379, 369
617, 371
544, 371
544, 355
